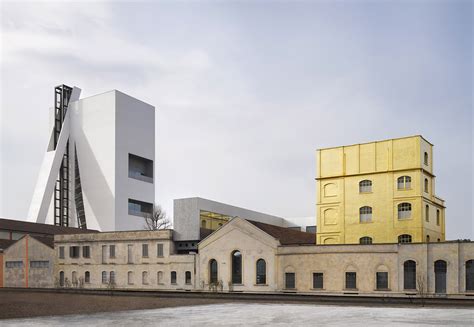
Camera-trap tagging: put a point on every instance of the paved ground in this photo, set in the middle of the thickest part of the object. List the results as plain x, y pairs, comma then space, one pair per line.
248, 314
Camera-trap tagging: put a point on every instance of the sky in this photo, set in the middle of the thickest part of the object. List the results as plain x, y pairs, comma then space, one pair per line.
245, 92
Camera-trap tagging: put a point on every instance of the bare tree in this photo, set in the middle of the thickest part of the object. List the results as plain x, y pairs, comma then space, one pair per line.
157, 220
421, 288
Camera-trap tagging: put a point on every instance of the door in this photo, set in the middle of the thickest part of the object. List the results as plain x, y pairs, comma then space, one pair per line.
440, 276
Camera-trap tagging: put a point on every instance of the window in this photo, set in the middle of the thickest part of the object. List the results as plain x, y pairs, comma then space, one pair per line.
129, 253
318, 280
130, 278
139, 208
14, 264
438, 217
426, 186
404, 182
470, 275
365, 186
145, 277
39, 264
104, 253
74, 252
365, 214
140, 168
159, 250
382, 280
187, 277
405, 238
440, 269
427, 238
104, 277
409, 275
61, 278
426, 158
404, 210
173, 277
86, 251
212, 271
145, 250
365, 240
427, 213
290, 282
261, 272
236, 267
87, 277
112, 251
61, 252
112, 278
159, 277
351, 280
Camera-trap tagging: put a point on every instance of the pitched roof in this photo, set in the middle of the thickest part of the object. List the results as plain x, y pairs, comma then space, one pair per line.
48, 241
27, 227
286, 236
4, 244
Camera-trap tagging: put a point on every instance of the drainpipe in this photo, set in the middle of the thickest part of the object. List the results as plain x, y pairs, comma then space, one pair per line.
26, 261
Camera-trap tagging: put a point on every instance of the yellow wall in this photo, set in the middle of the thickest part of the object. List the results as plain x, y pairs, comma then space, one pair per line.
341, 169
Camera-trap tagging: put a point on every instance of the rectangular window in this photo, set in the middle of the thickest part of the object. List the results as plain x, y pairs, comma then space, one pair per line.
14, 264
145, 250
140, 168
86, 251
438, 217
382, 280
188, 277
61, 252
318, 281
74, 251
39, 264
139, 208
130, 253
290, 280
159, 250
112, 251
104, 253
351, 280
173, 277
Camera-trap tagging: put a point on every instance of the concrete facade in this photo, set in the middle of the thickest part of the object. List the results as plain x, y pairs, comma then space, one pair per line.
104, 131
131, 268
378, 191
28, 263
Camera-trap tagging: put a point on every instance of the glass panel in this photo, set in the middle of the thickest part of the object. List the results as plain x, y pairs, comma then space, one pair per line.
318, 280
290, 280
236, 268
382, 280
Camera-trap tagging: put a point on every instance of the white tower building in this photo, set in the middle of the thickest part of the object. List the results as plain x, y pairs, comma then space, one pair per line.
98, 171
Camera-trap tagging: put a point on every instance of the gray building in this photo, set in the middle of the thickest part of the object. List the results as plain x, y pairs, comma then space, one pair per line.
196, 218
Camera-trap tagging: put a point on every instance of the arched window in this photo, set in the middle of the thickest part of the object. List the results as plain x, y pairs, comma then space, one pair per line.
427, 213
365, 214
61, 278
187, 277
104, 277
87, 277
365, 240
159, 277
426, 158
173, 277
426, 186
261, 271
212, 271
236, 267
470, 275
427, 238
130, 277
404, 210
365, 186
438, 217
145, 277
404, 238
112, 277
440, 269
404, 182
409, 275
203, 224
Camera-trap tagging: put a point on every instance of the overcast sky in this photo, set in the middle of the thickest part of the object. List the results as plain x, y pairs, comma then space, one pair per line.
246, 92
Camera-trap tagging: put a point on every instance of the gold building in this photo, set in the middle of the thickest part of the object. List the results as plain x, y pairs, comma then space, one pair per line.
378, 192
